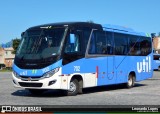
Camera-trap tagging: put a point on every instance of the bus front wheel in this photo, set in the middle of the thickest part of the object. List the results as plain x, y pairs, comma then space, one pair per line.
73, 88
131, 81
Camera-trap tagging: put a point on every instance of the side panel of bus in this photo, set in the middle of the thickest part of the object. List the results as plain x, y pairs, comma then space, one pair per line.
114, 66
104, 69
141, 66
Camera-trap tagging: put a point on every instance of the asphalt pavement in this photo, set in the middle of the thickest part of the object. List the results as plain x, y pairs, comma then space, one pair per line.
146, 92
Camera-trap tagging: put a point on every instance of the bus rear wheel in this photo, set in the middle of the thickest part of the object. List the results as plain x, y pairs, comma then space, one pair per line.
131, 81
73, 88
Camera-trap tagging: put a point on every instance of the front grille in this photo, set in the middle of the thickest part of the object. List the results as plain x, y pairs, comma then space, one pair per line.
30, 78
38, 66
24, 84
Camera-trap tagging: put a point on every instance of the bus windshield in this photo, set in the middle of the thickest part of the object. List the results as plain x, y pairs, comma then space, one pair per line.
40, 43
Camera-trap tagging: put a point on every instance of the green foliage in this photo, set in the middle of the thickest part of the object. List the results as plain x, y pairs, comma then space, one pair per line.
6, 70
16, 42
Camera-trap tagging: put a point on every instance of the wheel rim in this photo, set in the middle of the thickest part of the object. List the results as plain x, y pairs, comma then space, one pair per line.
130, 81
72, 87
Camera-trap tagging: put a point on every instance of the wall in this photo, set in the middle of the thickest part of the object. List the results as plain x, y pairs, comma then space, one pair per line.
156, 44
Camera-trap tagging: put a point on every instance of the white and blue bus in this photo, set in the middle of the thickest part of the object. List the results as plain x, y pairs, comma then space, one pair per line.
71, 56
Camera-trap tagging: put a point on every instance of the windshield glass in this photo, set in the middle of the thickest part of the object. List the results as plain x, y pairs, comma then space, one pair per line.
40, 43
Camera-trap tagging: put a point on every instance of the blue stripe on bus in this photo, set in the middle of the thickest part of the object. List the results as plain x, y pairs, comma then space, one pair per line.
36, 72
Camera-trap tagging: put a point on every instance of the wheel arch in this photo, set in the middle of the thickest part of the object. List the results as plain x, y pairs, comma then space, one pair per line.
133, 73
78, 77
80, 81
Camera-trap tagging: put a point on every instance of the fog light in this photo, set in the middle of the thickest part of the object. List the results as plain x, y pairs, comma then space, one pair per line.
52, 82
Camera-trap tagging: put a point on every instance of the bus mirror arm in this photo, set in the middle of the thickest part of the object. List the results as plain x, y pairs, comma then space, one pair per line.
22, 34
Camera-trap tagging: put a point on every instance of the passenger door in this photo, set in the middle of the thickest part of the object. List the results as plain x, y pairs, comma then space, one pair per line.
100, 53
73, 47
111, 77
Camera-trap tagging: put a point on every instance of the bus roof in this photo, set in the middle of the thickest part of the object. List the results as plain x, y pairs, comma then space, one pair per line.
108, 27
72, 24
125, 30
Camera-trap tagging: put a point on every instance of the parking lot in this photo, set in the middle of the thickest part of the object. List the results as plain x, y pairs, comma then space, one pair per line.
144, 93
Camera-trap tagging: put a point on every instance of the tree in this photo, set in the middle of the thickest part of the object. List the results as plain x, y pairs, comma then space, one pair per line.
159, 34
16, 42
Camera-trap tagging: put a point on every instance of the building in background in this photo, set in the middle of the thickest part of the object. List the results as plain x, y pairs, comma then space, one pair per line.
156, 55
156, 44
2, 58
6, 57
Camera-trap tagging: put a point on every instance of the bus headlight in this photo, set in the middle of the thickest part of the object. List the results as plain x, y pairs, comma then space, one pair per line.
50, 73
16, 74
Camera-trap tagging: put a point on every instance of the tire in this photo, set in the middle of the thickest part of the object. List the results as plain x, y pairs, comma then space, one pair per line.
73, 89
131, 81
36, 91
80, 91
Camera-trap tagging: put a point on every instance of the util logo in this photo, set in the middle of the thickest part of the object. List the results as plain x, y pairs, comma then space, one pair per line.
145, 65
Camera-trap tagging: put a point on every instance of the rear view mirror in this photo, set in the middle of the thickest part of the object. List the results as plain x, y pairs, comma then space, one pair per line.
22, 34
72, 38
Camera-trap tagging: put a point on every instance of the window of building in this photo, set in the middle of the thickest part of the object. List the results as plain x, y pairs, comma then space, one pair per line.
6, 53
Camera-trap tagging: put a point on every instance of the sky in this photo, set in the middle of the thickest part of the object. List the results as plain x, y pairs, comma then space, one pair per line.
18, 15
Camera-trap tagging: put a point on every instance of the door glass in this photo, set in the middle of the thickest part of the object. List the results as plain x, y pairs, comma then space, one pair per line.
73, 43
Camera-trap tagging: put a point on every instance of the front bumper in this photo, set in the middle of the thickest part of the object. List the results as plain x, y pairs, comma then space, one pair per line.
53, 82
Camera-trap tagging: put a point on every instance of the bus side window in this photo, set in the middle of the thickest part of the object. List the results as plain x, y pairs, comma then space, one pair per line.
92, 45
101, 43
109, 43
145, 46
121, 44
